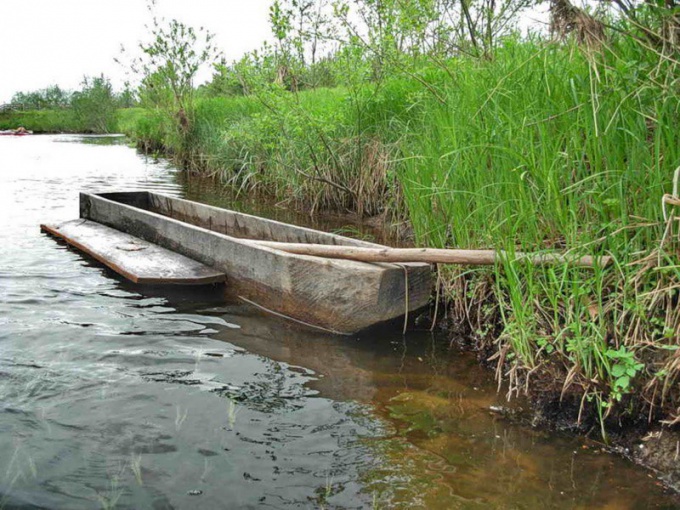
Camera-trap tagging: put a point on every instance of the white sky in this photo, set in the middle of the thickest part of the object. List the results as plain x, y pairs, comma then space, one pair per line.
43, 42
47, 42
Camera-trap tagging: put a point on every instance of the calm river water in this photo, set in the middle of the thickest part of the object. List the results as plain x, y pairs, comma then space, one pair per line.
113, 396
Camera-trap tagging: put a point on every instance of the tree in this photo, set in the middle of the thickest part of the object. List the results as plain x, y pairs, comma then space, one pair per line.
95, 105
127, 98
658, 21
50, 97
170, 62
429, 29
301, 29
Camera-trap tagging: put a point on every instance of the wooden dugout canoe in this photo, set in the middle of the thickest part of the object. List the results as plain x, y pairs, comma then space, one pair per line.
341, 296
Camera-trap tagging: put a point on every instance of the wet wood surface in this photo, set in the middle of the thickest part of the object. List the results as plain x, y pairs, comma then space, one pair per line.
135, 259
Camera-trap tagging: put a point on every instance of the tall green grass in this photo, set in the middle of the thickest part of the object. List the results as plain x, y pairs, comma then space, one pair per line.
322, 148
543, 147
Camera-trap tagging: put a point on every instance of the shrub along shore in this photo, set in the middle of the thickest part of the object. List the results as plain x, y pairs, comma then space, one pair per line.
543, 147
66, 120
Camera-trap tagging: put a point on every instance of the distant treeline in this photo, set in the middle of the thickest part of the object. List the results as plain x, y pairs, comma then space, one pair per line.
91, 109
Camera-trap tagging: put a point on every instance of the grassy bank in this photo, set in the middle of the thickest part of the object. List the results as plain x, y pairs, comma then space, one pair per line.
553, 148
542, 147
41, 121
332, 149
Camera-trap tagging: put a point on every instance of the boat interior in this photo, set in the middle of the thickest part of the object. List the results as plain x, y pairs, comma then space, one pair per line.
224, 221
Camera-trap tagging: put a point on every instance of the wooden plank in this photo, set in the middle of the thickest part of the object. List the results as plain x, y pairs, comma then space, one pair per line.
431, 255
135, 259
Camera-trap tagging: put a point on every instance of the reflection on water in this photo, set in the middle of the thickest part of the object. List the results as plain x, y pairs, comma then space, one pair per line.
113, 395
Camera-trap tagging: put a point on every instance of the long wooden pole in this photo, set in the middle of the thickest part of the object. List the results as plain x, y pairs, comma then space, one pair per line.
430, 255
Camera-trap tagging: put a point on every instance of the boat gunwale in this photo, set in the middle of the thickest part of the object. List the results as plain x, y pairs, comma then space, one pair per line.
367, 244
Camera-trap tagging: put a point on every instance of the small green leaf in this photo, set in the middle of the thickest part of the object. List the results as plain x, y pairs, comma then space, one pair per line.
622, 382
618, 370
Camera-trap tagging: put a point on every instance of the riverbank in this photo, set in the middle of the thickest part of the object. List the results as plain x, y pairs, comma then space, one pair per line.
145, 397
545, 147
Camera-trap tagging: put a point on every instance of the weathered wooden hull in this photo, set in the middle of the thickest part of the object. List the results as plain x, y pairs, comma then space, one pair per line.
337, 295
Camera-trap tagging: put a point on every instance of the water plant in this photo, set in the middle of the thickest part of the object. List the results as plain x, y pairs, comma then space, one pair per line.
136, 467
232, 411
109, 500
180, 417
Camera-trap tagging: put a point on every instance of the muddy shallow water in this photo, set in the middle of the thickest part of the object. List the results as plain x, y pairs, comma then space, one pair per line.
115, 396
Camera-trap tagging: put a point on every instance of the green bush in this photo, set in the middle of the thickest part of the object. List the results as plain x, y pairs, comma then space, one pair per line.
94, 106
42, 121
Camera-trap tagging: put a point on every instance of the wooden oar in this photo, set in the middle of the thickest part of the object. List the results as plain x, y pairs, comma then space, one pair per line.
430, 255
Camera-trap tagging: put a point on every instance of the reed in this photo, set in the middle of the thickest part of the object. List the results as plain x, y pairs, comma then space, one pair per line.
551, 147
542, 147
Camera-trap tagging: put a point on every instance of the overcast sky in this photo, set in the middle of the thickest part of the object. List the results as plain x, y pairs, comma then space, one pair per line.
59, 41
47, 42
